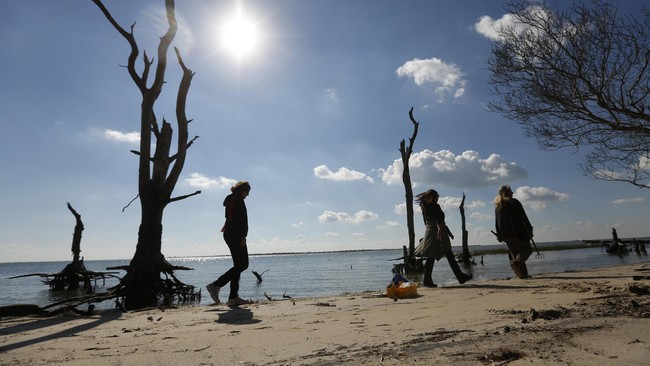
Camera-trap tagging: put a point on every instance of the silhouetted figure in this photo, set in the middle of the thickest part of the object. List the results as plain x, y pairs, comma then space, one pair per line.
435, 244
234, 231
513, 227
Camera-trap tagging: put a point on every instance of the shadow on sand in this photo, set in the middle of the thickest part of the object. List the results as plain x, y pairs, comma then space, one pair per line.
48, 322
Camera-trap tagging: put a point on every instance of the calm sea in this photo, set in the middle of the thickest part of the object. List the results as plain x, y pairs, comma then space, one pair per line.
307, 274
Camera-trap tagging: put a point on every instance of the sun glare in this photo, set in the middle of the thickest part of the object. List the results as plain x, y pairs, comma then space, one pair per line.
239, 36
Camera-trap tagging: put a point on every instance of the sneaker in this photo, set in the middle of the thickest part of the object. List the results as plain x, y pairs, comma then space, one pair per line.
213, 290
237, 301
468, 277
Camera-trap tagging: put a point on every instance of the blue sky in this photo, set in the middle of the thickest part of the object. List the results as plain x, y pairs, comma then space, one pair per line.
312, 118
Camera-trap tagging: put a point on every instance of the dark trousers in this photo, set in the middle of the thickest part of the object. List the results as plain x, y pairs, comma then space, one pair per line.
239, 255
518, 266
428, 269
519, 251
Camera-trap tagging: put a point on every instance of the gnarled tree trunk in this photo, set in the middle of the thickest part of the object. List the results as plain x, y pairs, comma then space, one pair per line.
143, 286
465, 256
410, 262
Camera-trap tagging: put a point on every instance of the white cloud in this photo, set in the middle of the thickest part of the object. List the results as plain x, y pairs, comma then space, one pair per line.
479, 216
467, 170
332, 234
538, 197
490, 28
199, 180
475, 205
400, 208
331, 216
447, 77
298, 225
129, 137
449, 203
389, 225
622, 201
343, 174
361, 216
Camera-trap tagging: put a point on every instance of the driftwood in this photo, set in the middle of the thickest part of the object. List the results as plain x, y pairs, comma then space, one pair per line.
618, 246
465, 257
169, 290
30, 309
75, 273
284, 296
67, 305
639, 246
259, 275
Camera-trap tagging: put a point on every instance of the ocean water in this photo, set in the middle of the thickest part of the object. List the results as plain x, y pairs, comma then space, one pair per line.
305, 275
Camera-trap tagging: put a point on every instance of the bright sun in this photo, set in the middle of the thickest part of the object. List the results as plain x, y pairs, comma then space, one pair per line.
239, 36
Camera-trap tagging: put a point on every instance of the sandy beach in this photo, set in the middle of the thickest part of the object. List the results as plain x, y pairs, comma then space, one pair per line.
594, 317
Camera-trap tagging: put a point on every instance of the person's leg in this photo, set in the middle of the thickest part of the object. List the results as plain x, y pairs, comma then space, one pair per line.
518, 266
520, 269
228, 275
215, 287
240, 261
428, 270
460, 276
518, 254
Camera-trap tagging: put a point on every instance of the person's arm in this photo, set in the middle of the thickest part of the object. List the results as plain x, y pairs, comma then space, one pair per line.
241, 218
439, 218
497, 219
524, 219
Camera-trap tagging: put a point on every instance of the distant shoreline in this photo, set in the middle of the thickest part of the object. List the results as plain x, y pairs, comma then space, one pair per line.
475, 250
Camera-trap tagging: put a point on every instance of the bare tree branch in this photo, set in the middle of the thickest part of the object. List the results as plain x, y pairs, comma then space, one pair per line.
184, 197
579, 78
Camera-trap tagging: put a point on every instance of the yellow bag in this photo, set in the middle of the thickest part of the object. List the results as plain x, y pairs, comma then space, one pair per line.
402, 291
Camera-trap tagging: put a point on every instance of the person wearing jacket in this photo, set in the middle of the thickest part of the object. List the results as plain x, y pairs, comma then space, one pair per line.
436, 244
234, 231
513, 227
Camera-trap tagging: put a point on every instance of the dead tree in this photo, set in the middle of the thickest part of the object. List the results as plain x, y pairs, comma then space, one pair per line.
410, 262
158, 173
578, 77
617, 246
75, 273
465, 257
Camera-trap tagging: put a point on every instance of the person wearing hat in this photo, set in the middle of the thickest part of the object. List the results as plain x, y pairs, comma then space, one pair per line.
234, 231
436, 244
513, 227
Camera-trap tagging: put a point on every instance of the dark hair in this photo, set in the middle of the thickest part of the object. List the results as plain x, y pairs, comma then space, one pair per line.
426, 196
241, 186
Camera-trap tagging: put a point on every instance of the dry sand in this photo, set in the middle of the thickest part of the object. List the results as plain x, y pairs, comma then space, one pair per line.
595, 317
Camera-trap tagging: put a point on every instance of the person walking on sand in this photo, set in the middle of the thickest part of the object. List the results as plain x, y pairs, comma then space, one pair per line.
513, 227
435, 244
234, 231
